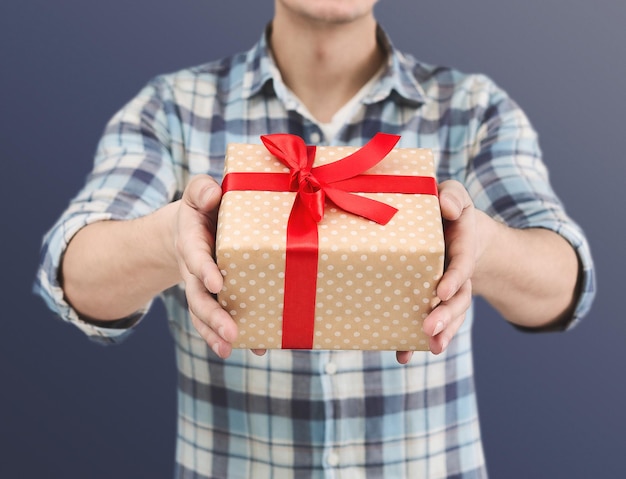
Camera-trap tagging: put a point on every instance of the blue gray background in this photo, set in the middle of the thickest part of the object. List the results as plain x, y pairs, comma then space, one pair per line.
552, 405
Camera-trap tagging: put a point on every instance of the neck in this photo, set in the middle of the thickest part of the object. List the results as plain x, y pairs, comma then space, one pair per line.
325, 64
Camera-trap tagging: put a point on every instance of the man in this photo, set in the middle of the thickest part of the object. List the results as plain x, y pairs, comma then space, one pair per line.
326, 72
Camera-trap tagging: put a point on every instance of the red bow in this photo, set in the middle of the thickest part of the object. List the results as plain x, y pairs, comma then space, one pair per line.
314, 184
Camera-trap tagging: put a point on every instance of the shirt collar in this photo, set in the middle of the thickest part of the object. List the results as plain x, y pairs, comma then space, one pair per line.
399, 77
259, 67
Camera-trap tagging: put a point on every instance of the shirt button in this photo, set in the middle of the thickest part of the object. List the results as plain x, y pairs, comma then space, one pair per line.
315, 137
333, 459
330, 368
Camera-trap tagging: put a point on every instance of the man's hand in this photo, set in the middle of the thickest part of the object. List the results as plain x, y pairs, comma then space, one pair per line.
194, 235
463, 249
528, 275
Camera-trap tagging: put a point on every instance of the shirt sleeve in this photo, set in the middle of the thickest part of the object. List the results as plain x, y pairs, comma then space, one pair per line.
508, 180
132, 176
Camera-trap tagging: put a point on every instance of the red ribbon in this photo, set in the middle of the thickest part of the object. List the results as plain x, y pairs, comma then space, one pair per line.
336, 182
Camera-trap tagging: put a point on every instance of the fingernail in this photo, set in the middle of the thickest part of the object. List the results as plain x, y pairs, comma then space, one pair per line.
216, 349
438, 328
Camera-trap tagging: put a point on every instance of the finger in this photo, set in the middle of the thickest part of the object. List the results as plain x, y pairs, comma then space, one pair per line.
198, 215
439, 343
460, 235
446, 319
259, 352
453, 199
204, 307
197, 258
403, 357
440, 317
459, 270
203, 194
196, 239
220, 347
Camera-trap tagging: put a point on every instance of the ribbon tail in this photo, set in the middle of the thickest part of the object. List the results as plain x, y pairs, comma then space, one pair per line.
300, 278
368, 208
361, 160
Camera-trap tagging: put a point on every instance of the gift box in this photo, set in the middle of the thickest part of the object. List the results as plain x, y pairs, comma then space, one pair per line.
329, 247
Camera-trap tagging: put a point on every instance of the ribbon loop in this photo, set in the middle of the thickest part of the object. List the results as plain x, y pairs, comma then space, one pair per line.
290, 150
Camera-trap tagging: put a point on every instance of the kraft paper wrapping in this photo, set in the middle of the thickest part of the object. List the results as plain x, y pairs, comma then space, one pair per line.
375, 284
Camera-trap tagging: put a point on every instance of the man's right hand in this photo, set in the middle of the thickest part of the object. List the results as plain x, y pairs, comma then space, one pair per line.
194, 239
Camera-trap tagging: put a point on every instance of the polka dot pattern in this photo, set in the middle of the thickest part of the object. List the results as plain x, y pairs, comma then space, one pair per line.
375, 284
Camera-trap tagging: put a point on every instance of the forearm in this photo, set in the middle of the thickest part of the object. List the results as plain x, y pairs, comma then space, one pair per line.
529, 276
111, 269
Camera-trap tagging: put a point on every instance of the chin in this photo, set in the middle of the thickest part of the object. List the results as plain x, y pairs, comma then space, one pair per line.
330, 11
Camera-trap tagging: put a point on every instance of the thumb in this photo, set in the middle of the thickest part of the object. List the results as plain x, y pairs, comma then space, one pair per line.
203, 193
453, 199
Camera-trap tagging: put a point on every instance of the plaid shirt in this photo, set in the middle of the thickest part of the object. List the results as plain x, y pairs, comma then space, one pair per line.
322, 414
